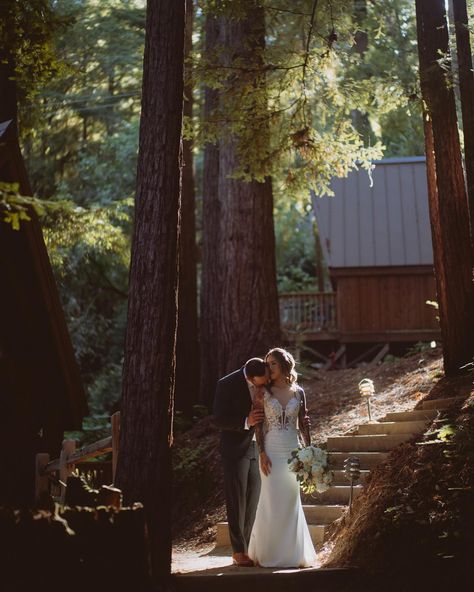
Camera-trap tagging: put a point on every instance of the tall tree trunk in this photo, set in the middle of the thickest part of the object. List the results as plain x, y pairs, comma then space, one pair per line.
211, 293
320, 275
247, 312
466, 88
144, 465
360, 120
447, 194
187, 350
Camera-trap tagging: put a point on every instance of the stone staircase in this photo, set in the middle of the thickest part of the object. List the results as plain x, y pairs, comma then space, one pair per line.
371, 443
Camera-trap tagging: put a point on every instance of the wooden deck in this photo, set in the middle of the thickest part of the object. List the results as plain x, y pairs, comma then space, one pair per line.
327, 316
308, 312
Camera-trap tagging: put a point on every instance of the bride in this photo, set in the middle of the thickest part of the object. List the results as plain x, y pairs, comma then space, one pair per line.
280, 535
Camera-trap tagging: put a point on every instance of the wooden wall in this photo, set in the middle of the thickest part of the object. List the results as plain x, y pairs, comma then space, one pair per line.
377, 300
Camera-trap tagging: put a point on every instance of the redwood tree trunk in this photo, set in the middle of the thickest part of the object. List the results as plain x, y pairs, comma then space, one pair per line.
360, 120
247, 311
144, 465
466, 89
187, 350
447, 194
211, 210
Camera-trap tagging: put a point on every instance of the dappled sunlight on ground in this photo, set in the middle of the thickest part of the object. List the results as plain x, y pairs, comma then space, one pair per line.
214, 560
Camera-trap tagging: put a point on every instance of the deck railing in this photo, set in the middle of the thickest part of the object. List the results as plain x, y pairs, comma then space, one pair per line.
51, 475
308, 311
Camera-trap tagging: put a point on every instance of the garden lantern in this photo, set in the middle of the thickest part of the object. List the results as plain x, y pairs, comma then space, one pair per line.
366, 389
352, 473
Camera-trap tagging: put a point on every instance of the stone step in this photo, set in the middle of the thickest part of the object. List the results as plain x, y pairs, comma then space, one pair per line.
317, 532
323, 514
415, 415
223, 539
269, 580
368, 460
378, 443
339, 477
336, 495
441, 403
393, 427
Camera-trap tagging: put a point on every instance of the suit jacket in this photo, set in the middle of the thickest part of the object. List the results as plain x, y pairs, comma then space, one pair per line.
232, 405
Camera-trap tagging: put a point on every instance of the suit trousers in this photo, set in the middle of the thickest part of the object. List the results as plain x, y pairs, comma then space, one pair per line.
242, 490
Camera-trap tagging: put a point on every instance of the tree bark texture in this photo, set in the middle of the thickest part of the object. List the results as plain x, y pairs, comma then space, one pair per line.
360, 120
247, 312
187, 349
211, 210
144, 464
447, 194
466, 89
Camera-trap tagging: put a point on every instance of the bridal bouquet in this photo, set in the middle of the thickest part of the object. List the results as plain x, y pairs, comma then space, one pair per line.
311, 467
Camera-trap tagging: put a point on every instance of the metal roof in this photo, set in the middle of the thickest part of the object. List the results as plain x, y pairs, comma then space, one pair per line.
380, 225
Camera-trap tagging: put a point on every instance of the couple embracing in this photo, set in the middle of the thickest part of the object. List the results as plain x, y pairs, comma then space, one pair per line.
260, 409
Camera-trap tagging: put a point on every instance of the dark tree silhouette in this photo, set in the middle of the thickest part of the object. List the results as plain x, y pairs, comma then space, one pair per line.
466, 89
144, 465
447, 194
40, 385
211, 209
187, 350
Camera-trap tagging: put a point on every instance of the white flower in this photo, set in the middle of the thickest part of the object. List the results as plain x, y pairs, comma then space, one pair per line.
311, 467
321, 487
320, 455
305, 455
317, 469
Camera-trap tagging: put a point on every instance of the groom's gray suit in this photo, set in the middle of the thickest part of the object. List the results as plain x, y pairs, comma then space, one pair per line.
239, 452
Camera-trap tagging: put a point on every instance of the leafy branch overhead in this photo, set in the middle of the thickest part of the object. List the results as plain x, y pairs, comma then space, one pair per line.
306, 88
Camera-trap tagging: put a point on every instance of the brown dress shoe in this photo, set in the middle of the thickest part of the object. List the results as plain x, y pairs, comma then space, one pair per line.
242, 560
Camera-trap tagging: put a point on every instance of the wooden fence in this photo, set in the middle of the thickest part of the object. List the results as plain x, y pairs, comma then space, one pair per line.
308, 311
49, 473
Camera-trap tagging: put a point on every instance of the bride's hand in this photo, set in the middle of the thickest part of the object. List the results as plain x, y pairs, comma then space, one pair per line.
265, 463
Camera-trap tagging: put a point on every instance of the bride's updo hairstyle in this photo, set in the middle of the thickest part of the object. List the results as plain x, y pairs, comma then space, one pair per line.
286, 362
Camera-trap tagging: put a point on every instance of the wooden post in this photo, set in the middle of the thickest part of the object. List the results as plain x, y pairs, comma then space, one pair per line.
115, 426
65, 470
41, 478
383, 352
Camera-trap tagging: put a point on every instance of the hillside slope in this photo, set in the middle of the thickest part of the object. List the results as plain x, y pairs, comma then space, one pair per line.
413, 526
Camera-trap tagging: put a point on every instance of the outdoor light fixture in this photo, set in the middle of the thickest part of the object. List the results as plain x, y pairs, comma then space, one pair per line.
366, 389
352, 473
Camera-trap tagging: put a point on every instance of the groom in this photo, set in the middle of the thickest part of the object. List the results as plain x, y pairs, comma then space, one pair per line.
234, 415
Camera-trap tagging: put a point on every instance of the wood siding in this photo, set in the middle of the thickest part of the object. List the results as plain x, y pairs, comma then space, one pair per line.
386, 302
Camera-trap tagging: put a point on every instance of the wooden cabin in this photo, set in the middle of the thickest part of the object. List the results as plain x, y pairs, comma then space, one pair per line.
376, 239
41, 392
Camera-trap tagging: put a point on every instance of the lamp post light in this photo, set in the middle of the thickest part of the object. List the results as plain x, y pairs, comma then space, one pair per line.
352, 473
367, 389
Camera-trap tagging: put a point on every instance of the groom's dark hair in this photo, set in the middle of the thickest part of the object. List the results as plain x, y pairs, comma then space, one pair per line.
255, 367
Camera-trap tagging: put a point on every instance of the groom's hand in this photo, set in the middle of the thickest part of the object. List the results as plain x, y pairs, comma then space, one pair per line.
255, 416
306, 422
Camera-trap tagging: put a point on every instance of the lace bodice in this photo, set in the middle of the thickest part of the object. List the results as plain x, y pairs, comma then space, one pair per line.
281, 418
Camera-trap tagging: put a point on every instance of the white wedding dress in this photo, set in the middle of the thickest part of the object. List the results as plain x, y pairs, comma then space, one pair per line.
280, 535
